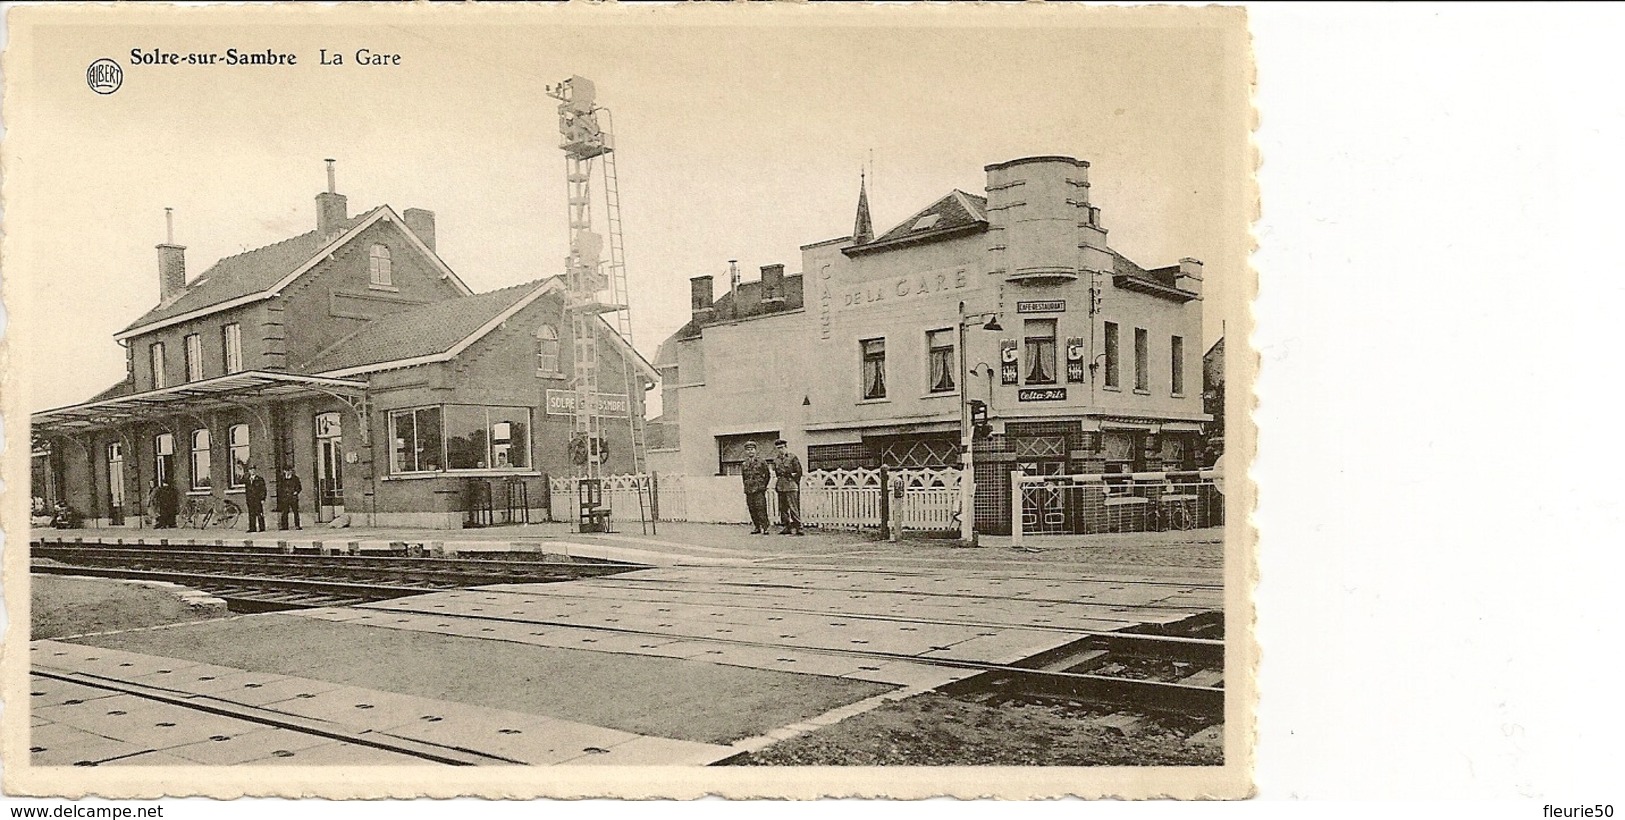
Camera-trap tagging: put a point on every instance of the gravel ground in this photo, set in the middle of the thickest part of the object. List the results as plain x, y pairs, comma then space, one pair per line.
666, 697
74, 606
938, 730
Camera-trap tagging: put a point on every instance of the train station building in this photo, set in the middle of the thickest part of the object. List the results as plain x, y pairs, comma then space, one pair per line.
353, 355
1008, 301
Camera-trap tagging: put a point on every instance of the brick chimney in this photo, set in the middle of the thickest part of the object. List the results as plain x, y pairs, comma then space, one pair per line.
772, 284
171, 260
332, 208
700, 298
420, 223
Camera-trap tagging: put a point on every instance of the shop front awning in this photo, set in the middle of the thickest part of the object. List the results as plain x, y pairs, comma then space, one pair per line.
217, 393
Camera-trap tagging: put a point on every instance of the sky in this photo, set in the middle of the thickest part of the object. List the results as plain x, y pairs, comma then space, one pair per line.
739, 136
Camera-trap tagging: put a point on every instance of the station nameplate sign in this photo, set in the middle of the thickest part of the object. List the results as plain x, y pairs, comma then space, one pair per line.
1042, 306
563, 403
1041, 394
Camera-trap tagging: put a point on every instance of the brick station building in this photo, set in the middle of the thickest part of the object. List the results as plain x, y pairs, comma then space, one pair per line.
856, 361
353, 355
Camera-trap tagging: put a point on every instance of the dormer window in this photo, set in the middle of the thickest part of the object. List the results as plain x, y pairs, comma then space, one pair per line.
924, 222
379, 258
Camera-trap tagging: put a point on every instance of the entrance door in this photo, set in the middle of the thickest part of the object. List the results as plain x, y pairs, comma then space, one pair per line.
115, 482
329, 467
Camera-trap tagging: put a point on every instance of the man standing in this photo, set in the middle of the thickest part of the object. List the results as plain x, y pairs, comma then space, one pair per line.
256, 501
788, 469
756, 474
287, 499
167, 502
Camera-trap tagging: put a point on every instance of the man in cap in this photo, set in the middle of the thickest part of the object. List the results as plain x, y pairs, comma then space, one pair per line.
756, 475
788, 470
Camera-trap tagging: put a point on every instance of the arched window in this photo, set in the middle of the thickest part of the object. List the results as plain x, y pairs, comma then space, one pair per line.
380, 265
547, 351
200, 459
238, 444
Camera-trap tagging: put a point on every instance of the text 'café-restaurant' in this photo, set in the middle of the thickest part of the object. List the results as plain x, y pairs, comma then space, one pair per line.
1086, 362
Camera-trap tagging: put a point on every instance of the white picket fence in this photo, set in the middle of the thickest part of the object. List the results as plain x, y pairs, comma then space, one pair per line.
836, 499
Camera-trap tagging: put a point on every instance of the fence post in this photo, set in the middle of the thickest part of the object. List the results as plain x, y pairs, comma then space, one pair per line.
1015, 509
885, 501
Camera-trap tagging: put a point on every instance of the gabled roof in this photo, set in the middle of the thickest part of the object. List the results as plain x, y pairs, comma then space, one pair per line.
439, 331
263, 272
957, 212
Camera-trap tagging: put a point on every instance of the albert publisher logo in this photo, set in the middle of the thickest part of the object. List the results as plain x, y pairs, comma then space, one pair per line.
104, 76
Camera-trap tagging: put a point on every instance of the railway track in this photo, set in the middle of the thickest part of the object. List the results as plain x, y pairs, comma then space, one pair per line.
259, 579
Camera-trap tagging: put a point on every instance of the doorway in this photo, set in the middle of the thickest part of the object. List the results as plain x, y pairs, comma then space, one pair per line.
329, 467
115, 483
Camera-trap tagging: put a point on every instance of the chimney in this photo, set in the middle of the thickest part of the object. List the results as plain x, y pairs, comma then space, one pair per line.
700, 297
332, 208
1190, 275
171, 260
773, 284
421, 223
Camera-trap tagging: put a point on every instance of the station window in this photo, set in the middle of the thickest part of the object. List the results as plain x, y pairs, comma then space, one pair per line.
200, 459
1111, 355
194, 357
874, 368
940, 344
547, 351
1039, 337
163, 456
1142, 359
237, 441
1176, 356
379, 263
155, 355
459, 437
231, 337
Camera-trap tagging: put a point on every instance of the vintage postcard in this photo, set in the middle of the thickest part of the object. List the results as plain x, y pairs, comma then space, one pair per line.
661, 401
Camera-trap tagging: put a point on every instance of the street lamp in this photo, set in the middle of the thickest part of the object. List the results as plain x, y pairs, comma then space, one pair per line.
967, 474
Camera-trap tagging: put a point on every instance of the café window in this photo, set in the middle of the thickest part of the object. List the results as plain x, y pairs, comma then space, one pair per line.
1142, 359
1039, 364
940, 350
1176, 356
232, 343
200, 459
731, 450
194, 357
1111, 355
874, 368
459, 437
547, 351
237, 443
378, 259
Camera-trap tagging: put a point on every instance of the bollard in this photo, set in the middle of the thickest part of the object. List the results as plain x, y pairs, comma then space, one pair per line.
437, 549
321, 548
284, 546
352, 548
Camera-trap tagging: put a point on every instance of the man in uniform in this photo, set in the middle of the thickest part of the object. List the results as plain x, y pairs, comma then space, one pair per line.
757, 475
788, 470
288, 488
256, 500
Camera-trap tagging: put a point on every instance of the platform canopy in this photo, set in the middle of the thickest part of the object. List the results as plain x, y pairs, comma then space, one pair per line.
221, 392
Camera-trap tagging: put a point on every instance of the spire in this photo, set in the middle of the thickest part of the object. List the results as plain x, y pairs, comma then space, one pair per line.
863, 230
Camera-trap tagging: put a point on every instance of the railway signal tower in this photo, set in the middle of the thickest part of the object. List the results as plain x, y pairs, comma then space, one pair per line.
595, 287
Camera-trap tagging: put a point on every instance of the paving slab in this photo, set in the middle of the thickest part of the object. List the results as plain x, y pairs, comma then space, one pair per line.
62, 745
655, 751
259, 743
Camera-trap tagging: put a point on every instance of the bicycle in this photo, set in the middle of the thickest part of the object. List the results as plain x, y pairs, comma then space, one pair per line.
204, 514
